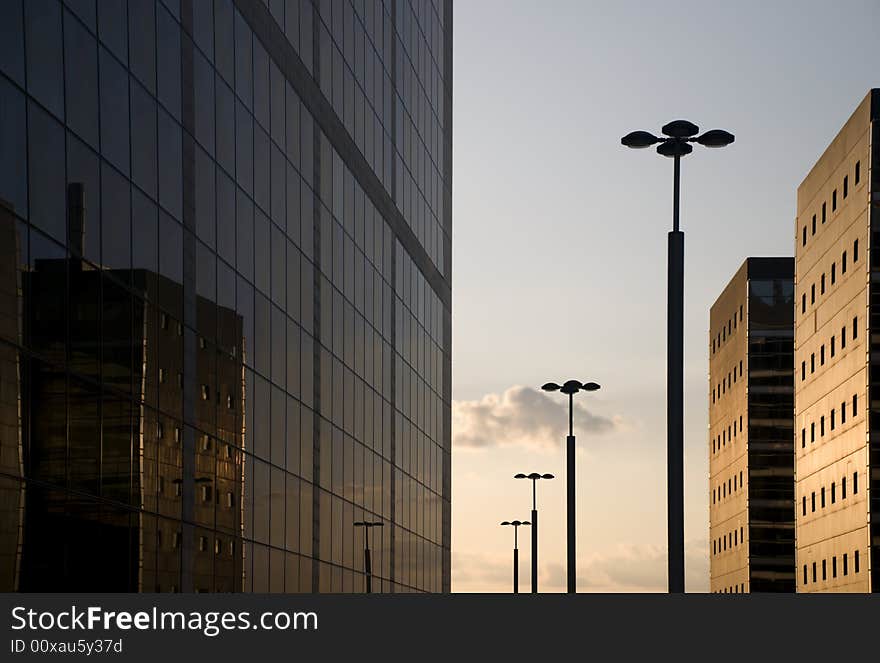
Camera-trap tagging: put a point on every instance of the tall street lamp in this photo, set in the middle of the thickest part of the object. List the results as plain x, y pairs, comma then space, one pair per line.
368, 566
571, 388
516, 525
676, 143
534, 476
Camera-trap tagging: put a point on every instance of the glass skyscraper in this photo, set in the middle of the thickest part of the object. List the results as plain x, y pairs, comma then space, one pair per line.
225, 294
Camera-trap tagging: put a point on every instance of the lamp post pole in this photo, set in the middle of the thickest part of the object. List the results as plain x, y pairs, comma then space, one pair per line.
676, 143
571, 387
516, 525
534, 476
368, 563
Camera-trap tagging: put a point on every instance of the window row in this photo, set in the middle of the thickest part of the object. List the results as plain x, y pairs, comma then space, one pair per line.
727, 488
844, 564
832, 349
726, 383
729, 541
832, 493
727, 435
732, 589
833, 277
845, 190
832, 421
727, 329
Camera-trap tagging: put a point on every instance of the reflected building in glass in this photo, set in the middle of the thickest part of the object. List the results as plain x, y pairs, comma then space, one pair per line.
225, 295
751, 401
837, 362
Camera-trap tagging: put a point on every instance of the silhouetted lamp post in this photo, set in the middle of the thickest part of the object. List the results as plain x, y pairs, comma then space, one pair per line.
516, 525
571, 388
368, 566
534, 476
676, 143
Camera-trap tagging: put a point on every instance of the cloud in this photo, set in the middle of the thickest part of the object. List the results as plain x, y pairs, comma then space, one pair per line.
624, 568
521, 416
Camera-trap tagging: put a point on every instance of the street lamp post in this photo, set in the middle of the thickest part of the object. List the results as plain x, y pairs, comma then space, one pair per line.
516, 525
571, 387
368, 566
534, 476
676, 143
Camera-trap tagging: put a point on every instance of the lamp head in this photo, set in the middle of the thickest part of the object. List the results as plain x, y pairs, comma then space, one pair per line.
638, 140
590, 386
551, 386
715, 138
571, 387
680, 129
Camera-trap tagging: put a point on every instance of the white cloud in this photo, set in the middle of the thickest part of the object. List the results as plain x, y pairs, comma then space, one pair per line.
521, 416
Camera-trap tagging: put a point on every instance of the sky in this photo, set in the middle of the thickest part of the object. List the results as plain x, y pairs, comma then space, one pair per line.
559, 251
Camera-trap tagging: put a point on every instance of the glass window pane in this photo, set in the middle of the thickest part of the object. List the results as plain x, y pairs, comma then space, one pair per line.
145, 232
144, 164
83, 168
81, 77
203, 99
13, 148
204, 197
142, 42
12, 40
225, 132
45, 72
113, 27
168, 57
170, 165
115, 219
46, 173
114, 111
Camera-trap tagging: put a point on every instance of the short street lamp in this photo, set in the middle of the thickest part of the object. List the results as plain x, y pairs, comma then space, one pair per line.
571, 388
534, 476
368, 567
516, 525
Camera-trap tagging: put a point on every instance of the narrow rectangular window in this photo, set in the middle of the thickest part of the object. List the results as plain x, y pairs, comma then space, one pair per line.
823, 212
813, 294
843, 412
822, 434
822, 497
814, 571
832, 346
833, 272
822, 286
843, 488
843, 337
814, 225
804, 500
855, 483
858, 174
813, 502
803, 438
824, 569
845, 186
833, 496
855, 409
805, 574
845, 565
813, 432
822, 355
856, 561
804, 303
843, 263
834, 566
803, 371
834, 200
832, 418
855, 328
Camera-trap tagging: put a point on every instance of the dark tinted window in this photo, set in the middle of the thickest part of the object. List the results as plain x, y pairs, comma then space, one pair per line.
81, 79
115, 219
13, 148
203, 99
143, 139
113, 27
114, 111
48, 193
83, 167
45, 73
145, 232
168, 57
12, 40
170, 165
142, 42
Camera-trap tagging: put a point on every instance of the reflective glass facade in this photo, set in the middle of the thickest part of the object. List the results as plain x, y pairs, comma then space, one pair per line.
225, 294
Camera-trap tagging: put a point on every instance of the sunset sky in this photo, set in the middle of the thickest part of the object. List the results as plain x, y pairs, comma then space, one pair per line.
559, 251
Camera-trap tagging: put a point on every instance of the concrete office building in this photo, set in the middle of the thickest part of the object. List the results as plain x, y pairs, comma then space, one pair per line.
751, 518
837, 432
225, 295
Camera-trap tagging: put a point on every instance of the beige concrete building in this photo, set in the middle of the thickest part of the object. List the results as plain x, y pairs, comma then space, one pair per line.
751, 520
835, 361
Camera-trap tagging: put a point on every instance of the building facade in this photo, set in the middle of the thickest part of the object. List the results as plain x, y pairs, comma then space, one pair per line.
225, 307
751, 400
837, 453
